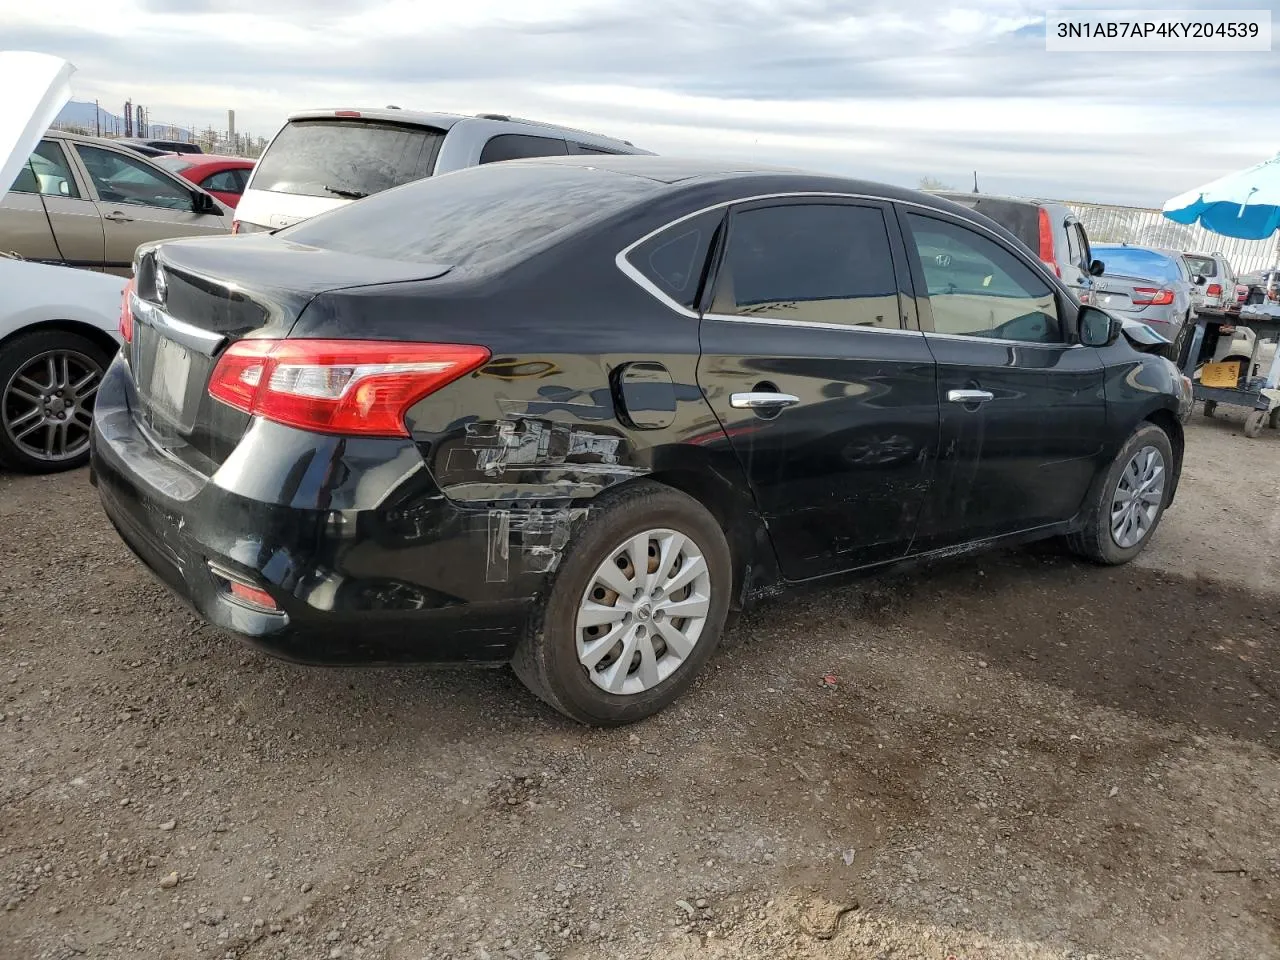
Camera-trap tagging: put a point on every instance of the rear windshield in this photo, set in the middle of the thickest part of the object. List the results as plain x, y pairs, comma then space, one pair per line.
346, 158
474, 215
1020, 219
1136, 262
176, 164
1202, 265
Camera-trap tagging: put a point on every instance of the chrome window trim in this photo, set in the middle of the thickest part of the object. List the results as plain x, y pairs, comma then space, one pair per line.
633, 273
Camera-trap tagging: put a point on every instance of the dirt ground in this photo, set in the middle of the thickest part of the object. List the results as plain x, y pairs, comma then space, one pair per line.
1019, 757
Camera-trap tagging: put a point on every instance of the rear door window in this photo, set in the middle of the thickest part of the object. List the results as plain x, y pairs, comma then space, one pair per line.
346, 159
823, 263
47, 172
518, 146
225, 181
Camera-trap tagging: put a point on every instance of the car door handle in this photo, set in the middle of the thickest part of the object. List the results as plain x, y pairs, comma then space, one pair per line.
117, 217
757, 401
970, 396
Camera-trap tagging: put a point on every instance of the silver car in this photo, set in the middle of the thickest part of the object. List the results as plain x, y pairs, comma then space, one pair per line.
1149, 284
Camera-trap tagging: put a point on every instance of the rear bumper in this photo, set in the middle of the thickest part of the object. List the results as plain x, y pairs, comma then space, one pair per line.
366, 565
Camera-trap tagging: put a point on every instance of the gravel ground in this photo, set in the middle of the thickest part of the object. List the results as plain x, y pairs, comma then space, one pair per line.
1014, 756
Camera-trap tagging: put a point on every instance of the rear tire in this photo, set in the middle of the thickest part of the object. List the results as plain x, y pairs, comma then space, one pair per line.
44, 421
1254, 423
552, 658
1105, 508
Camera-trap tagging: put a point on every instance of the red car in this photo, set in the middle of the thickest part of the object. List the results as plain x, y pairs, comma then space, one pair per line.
224, 177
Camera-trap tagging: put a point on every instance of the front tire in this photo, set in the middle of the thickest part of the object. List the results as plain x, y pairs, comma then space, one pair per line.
1126, 504
637, 607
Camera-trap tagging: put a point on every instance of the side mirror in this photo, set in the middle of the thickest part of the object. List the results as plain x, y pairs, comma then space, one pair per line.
203, 203
64, 188
1097, 268
1097, 327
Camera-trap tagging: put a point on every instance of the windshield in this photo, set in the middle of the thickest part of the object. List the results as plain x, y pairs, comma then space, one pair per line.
473, 216
1137, 262
1201, 265
346, 158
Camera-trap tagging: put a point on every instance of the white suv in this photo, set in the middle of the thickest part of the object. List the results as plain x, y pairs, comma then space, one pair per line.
322, 159
1213, 281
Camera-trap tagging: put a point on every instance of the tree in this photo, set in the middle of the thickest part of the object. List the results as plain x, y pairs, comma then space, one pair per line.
933, 183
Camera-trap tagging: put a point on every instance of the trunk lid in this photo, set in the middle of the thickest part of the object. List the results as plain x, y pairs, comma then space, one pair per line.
194, 298
1114, 292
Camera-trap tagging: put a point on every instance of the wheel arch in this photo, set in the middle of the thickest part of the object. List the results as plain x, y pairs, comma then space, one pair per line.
1169, 423
87, 330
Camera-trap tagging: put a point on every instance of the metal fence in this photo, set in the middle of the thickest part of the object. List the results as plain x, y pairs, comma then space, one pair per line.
1107, 223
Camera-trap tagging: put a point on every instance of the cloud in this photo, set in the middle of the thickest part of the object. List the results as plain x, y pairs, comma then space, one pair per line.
897, 89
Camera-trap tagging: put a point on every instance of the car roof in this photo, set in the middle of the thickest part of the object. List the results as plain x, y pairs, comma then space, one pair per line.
442, 121
758, 180
970, 195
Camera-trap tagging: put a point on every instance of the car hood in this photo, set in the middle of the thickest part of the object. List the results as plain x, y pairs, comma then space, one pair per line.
36, 87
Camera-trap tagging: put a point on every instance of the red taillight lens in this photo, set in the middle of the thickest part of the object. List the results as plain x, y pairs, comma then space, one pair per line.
354, 387
1151, 297
1214, 290
126, 314
1046, 244
235, 226
251, 595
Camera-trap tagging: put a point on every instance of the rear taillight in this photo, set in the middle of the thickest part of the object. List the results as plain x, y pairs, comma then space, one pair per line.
126, 314
1214, 290
1242, 293
1046, 244
1151, 297
351, 387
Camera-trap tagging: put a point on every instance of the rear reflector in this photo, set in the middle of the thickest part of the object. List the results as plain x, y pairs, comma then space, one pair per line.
349, 387
1151, 297
1214, 290
1046, 244
251, 595
126, 314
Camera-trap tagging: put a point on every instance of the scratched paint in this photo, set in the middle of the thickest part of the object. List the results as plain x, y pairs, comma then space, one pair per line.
536, 537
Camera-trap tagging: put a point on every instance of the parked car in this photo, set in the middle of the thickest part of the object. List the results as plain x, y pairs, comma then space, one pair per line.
1261, 285
158, 148
58, 326
1050, 230
224, 177
1216, 286
322, 159
1152, 285
533, 412
88, 202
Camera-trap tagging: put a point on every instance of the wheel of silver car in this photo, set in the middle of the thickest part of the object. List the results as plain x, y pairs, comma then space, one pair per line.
1138, 497
48, 384
643, 611
1127, 500
636, 607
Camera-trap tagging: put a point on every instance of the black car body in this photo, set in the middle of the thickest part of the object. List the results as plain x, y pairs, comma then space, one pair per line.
764, 345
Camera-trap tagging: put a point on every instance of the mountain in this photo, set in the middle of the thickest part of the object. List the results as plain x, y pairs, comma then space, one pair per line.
81, 114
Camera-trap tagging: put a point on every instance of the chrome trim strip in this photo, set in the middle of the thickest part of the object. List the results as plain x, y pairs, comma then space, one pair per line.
808, 324
974, 338
189, 335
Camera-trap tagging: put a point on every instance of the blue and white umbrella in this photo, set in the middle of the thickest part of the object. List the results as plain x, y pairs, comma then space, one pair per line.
1244, 204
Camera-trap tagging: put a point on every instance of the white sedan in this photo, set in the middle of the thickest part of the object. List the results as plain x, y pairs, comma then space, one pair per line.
59, 328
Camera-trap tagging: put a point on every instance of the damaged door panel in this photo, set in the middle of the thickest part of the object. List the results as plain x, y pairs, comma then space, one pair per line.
828, 399
1022, 408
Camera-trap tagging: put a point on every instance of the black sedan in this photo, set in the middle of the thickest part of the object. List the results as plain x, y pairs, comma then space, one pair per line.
568, 413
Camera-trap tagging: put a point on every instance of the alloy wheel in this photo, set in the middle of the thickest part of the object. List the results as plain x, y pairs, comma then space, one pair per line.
643, 611
1139, 494
46, 409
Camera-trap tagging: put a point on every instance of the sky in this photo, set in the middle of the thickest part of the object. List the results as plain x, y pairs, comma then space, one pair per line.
890, 90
